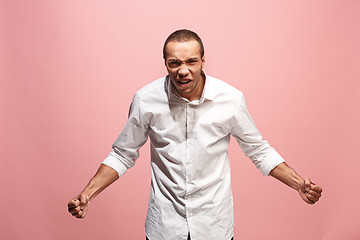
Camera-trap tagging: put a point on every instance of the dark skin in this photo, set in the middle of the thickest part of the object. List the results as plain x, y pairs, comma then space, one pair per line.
308, 191
184, 64
104, 176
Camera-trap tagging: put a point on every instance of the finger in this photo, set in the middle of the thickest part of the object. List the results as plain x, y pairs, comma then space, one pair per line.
73, 203
77, 213
81, 214
74, 210
71, 207
314, 194
316, 188
311, 198
310, 202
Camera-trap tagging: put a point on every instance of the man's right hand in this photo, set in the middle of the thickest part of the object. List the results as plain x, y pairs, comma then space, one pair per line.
104, 176
79, 205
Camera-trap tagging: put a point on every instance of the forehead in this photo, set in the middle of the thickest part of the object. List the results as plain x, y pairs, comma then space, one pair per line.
183, 50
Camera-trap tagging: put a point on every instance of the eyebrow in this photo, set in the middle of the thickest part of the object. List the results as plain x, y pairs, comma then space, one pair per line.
177, 60
193, 58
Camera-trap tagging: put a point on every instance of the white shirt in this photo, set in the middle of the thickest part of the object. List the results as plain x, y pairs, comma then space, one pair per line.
190, 169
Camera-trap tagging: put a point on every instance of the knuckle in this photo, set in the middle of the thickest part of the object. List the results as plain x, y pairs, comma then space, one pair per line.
80, 216
76, 213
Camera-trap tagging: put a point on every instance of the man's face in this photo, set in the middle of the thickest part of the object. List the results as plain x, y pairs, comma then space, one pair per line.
184, 65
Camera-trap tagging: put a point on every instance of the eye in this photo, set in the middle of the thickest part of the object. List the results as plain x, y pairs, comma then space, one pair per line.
192, 61
173, 64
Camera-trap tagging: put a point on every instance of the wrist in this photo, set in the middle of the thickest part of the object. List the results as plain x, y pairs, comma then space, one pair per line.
91, 189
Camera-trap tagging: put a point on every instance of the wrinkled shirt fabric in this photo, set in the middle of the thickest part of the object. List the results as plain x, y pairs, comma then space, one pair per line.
190, 169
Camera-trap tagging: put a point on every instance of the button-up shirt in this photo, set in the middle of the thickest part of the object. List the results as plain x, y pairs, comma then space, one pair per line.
190, 169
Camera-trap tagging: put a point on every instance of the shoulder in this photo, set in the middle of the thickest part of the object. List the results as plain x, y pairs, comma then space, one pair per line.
222, 89
152, 90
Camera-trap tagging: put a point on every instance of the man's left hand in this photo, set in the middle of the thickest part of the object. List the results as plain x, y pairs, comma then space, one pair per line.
309, 191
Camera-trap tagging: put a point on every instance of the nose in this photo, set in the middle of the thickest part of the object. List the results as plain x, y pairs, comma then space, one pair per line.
183, 71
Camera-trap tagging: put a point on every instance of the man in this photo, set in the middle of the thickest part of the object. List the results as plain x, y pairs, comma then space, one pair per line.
189, 117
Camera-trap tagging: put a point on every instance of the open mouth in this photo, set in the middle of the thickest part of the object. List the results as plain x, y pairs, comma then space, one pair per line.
184, 83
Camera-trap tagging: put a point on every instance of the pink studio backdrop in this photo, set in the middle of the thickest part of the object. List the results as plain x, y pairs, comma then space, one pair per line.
69, 70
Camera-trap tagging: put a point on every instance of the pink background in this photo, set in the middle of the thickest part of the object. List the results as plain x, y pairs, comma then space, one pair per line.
70, 68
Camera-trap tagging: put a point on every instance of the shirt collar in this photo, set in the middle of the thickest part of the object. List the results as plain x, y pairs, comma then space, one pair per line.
206, 94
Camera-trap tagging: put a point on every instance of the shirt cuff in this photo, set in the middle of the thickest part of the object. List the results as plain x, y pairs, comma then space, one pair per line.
112, 160
271, 160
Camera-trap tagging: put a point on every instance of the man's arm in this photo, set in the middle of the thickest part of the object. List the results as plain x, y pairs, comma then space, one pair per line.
104, 176
309, 191
122, 157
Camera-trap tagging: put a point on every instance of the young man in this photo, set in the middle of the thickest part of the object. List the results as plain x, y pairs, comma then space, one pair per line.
189, 117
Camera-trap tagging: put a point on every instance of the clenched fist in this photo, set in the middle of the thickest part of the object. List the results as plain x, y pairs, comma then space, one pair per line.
79, 205
104, 176
309, 191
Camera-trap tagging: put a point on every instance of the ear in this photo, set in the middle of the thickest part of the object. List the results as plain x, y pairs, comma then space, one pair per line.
203, 61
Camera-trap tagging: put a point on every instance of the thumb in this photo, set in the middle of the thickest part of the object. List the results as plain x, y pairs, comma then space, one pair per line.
305, 185
84, 200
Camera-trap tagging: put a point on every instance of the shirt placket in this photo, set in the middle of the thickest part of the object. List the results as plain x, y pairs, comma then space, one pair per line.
188, 160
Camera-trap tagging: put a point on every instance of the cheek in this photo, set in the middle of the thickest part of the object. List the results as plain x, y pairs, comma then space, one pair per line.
172, 71
196, 72
173, 78
196, 69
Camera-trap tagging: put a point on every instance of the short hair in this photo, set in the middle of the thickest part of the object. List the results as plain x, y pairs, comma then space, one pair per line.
183, 35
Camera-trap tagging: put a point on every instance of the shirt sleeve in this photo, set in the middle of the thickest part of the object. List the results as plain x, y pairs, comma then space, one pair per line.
134, 135
251, 142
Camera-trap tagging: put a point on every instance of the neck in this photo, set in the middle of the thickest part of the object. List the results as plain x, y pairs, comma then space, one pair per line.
196, 94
